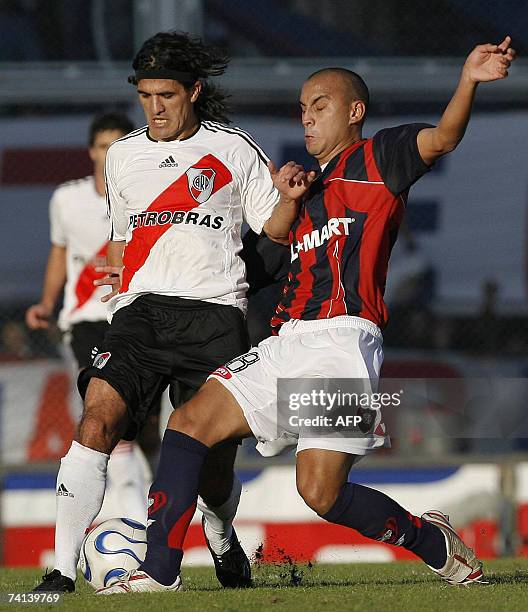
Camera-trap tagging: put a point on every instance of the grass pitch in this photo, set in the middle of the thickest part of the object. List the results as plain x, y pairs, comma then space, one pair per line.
401, 587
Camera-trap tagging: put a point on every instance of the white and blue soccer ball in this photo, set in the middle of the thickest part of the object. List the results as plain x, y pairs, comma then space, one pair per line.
111, 549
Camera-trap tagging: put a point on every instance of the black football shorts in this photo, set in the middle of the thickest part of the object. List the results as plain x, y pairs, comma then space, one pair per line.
87, 336
160, 339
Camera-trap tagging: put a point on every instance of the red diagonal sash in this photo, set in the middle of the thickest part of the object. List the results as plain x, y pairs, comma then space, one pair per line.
176, 197
84, 289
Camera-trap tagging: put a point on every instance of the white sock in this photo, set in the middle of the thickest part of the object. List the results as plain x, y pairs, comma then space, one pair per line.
126, 482
80, 491
219, 520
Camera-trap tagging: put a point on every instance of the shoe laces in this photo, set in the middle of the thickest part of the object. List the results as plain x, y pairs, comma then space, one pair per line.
124, 577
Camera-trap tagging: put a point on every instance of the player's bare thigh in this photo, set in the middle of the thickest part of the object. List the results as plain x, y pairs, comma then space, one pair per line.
105, 418
320, 475
211, 416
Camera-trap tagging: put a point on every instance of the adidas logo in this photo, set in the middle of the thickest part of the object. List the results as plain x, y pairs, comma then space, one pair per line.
170, 162
95, 350
62, 490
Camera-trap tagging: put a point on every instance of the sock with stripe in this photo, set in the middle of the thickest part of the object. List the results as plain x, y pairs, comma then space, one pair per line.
172, 502
377, 516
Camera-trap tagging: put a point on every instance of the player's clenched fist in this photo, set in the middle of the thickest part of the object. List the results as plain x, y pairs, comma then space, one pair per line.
292, 181
38, 316
489, 62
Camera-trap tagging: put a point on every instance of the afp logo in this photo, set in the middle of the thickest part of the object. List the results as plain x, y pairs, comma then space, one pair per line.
201, 183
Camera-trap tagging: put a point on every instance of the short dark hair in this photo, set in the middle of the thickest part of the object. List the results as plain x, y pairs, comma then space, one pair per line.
109, 121
182, 52
357, 87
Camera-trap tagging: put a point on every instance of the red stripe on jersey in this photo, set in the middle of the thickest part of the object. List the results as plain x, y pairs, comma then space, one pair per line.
84, 289
179, 529
370, 163
335, 304
176, 197
305, 278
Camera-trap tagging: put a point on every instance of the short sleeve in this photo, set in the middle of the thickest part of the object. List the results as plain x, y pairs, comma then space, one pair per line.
397, 156
57, 232
258, 194
114, 202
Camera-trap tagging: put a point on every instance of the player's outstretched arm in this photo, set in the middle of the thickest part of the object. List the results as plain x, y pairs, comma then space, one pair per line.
113, 269
38, 316
485, 63
292, 182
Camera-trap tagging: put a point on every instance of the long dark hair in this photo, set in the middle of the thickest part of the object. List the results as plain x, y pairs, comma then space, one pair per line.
179, 51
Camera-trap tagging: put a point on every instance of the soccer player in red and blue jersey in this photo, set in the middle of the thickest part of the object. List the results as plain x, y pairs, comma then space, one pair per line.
328, 326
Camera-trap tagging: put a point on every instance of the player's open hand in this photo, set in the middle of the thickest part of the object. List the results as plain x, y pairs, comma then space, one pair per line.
112, 279
292, 181
489, 62
38, 316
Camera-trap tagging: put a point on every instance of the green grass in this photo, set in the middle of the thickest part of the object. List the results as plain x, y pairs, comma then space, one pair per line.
400, 587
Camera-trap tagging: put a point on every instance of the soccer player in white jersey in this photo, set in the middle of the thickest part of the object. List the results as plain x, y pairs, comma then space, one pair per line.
79, 242
329, 323
178, 191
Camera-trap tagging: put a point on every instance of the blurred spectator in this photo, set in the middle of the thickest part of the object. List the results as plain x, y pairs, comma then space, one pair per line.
408, 294
409, 279
15, 344
486, 329
442, 333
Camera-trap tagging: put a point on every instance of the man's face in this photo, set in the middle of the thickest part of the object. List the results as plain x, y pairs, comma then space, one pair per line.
168, 107
327, 116
102, 141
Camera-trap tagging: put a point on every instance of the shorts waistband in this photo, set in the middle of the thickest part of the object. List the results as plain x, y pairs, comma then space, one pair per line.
298, 326
175, 302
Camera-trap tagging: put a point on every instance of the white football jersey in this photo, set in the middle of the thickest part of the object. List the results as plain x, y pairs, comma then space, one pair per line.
79, 222
180, 205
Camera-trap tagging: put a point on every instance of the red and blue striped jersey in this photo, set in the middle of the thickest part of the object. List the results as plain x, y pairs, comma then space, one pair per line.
341, 242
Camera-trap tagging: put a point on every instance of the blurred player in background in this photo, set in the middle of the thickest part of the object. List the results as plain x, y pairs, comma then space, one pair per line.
329, 326
79, 243
178, 191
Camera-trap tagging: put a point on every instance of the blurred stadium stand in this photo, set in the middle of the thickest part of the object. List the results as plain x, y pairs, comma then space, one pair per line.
458, 286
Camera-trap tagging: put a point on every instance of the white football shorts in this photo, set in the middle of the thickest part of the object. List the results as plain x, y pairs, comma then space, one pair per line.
341, 347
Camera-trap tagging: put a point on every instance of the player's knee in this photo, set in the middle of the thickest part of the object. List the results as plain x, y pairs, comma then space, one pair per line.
95, 433
319, 495
103, 420
190, 419
211, 416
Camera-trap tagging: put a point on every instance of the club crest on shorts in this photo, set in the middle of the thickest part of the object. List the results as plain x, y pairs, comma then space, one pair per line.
101, 360
201, 183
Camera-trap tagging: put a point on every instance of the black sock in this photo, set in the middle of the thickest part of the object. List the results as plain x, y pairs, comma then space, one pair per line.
377, 516
172, 502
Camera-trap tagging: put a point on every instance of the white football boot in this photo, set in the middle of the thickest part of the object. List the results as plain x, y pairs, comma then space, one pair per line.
461, 567
137, 581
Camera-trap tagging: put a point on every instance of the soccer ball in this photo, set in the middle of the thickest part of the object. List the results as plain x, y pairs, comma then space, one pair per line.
112, 549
